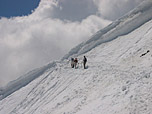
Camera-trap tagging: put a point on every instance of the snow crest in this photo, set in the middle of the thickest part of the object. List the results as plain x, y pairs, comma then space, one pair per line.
118, 78
24, 80
122, 26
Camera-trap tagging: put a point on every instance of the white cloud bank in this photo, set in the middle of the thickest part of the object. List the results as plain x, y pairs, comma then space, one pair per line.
113, 9
31, 41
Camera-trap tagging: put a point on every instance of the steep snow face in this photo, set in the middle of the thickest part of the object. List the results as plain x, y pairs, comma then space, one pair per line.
117, 80
24, 80
122, 26
125, 25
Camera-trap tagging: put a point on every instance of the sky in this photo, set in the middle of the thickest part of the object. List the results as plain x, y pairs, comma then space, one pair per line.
17, 7
47, 30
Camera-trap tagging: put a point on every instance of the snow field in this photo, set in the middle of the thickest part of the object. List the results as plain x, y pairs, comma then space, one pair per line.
117, 80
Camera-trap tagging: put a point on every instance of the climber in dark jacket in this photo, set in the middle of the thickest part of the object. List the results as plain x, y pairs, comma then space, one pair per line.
84, 62
72, 62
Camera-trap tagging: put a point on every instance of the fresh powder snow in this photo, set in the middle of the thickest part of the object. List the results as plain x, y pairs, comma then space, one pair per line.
118, 78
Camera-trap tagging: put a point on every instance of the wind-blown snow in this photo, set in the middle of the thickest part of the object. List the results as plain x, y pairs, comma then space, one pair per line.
117, 80
122, 26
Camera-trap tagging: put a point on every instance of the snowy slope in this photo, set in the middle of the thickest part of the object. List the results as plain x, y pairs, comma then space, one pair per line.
120, 27
118, 79
24, 80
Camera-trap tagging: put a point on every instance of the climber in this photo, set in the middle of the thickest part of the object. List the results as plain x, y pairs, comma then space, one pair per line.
84, 62
72, 62
75, 62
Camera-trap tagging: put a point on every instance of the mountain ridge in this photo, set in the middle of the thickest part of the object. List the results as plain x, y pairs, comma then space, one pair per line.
102, 36
114, 30
117, 79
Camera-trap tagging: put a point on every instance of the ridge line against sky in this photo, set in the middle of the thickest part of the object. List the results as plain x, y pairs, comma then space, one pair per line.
53, 28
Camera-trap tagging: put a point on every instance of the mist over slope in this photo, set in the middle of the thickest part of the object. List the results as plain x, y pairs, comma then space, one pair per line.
122, 26
117, 80
31, 41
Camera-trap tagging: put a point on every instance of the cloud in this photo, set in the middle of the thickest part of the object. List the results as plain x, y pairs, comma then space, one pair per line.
113, 9
74, 10
31, 41
52, 29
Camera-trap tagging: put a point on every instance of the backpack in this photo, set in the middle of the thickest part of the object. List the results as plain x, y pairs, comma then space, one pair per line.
76, 60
